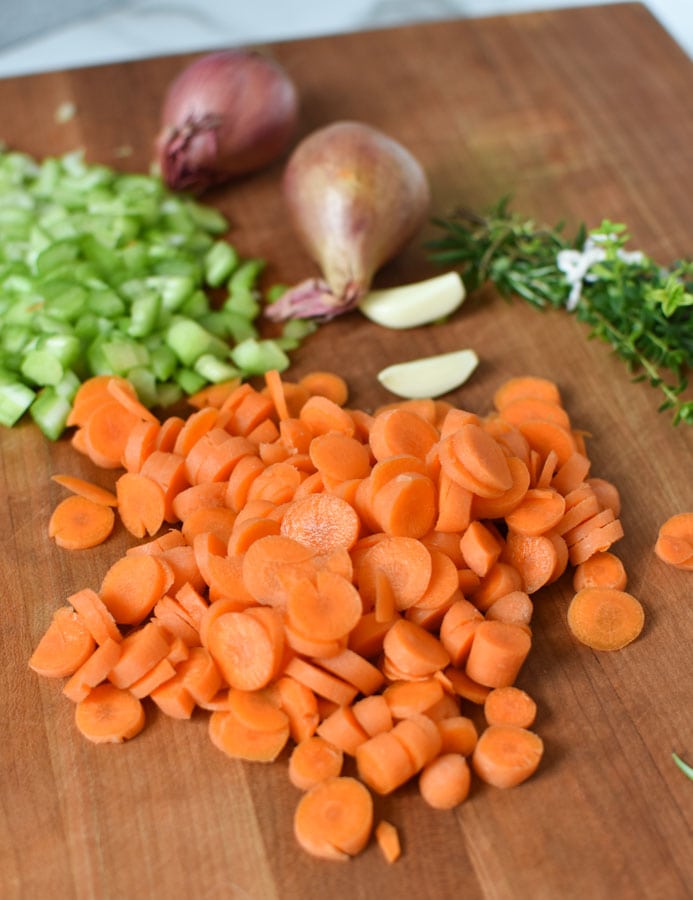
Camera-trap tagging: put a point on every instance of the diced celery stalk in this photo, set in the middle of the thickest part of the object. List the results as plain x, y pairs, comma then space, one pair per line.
144, 382
144, 313
214, 369
64, 347
167, 394
189, 380
207, 218
246, 275
195, 306
55, 255
220, 261
41, 367
123, 354
67, 386
66, 302
255, 357
15, 399
239, 327
50, 411
106, 303
188, 340
14, 338
163, 362
244, 302
298, 329
174, 289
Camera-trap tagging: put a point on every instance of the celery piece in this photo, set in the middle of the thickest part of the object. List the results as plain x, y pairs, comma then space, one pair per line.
55, 255
195, 305
143, 379
15, 399
50, 411
213, 369
41, 367
188, 340
122, 354
220, 261
189, 380
255, 357
163, 362
246, 275
144, 314
206, 217
244, 302
167, 394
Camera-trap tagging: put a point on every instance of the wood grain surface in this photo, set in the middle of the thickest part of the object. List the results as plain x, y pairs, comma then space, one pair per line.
580, 114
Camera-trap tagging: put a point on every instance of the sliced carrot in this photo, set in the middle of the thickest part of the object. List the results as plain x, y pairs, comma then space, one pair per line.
168, 471
498, 651
674, 543
414, 651
91, 394
141, 504
216, 520
534, 557
168, 433
373, 714
326, 384
162, 672
323, 415
245, 649
94, 614
387, 837
142, 440
213, 395
399, 431
510, 705
605, 618
502, 578
407, 698
445, 781
140, 651
343, 730
458, 734
515, 607
78, 523
466, 687
87, 489
545, 436
420, 738
355, 670
109, 715
299, 703
383, 763
236, 739
506, 755
571, 474
600, 570
339, 456
173, 699
407, 506
321, 682
65, 645
480, 548
132, 585
407, 564
607, 494
334, 819
314, 760
526, 386
540, 510
258, 710
106, 433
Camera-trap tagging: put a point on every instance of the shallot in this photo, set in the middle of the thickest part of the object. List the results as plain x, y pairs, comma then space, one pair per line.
355, 197
227, 114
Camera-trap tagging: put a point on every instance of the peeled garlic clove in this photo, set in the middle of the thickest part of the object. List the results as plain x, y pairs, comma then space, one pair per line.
414, 304
431, 376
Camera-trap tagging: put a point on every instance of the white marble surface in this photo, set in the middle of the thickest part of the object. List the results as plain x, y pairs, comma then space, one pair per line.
41, 35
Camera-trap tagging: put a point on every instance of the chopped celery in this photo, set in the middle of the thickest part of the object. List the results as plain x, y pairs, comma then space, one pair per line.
107, 272
255, 357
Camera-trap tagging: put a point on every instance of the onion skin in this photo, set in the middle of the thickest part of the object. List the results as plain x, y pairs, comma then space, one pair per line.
227, 114
355, 197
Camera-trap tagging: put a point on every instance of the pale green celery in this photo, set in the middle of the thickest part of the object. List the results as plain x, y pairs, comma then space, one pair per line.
255, 357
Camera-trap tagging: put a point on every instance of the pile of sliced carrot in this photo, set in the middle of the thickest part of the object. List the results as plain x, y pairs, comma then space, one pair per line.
354, 589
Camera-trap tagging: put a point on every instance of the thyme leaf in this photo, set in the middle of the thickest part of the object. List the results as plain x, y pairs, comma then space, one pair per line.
642, 310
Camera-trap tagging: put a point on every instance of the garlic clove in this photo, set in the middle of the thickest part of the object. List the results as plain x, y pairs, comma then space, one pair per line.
414, 304
430, 376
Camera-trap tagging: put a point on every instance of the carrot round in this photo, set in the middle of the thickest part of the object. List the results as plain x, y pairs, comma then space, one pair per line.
497, 654
87, 489
600, 570
383, 763
605, 618
314, 760
334, 819
407, 506
326, 384
78, 523
141, 504
132, 585
247, 652
539, 511
510, 706
233, 737
414, 651
407, 564
674, 543
65, 645
322, 522
444, 782
526, 386
109, 715
388, 840
458, 735
506, 755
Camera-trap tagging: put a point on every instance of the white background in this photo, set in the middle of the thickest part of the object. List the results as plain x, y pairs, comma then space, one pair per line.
40, 35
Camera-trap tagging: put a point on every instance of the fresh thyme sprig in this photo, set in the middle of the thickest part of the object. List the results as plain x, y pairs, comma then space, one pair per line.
644, 311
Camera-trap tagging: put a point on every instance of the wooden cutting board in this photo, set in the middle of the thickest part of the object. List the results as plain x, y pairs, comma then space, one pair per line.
581, 115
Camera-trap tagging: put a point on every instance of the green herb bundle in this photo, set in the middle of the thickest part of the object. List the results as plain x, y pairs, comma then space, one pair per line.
643, 310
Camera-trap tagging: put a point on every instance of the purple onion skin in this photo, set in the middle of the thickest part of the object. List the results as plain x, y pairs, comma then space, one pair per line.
355, 197
227, 114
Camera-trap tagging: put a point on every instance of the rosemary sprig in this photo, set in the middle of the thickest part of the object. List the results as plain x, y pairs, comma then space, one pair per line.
644, 311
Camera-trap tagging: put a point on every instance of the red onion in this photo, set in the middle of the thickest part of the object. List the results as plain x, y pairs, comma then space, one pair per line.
227, 114
355, 197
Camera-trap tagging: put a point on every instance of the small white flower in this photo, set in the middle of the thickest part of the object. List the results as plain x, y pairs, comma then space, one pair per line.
576, 264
